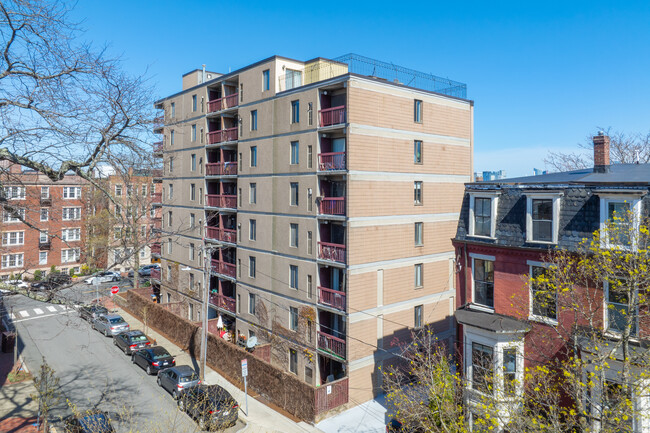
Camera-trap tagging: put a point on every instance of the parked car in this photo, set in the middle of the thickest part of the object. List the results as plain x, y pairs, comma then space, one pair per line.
110, 324
131, 341
88, 422
19, 284
103, 277
145, 271
153, 360
52, 281
91, 312
211, 406
177, 380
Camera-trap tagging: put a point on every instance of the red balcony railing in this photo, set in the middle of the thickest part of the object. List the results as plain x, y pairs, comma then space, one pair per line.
224, 103
333, 252
331, 297
228, 168
224, 235
332, 116
332, 206
157, 147
155, 274
224, 302
331, 344
225, 201
155, 249
333, 395
331, 161
224, 268
222, 135
156, 197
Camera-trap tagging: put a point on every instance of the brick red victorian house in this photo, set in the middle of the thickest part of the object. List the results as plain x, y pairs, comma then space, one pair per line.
505, 231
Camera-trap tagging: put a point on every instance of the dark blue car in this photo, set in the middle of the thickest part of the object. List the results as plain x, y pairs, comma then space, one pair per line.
88, 422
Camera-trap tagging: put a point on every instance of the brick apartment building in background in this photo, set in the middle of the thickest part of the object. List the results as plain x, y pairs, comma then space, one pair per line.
505, 231
55, 215
325, 193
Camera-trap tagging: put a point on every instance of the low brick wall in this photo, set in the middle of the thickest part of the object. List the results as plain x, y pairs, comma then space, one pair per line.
275, 385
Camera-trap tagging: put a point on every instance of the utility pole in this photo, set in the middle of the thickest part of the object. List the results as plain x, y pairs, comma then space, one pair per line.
207, 255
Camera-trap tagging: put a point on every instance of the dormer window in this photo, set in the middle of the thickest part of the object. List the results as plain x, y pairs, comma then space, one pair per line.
542, 217
618, 216
482, 214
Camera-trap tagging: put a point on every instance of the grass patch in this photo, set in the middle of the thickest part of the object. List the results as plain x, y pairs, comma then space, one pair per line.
17, 376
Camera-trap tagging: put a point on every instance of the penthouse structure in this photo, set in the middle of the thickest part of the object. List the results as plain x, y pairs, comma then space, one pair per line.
315, 201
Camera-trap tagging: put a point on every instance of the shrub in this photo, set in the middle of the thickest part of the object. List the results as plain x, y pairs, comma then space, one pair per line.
71, 272
85, 269
38, 275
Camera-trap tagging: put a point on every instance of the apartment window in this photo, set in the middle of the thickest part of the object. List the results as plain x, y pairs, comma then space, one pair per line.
171, 137
293, 235
169, 219
70, 255
253, 156
43, 237
310, 289
171, 191
193, 162
417, 152
15, 192
310, 113
254, 120
295, 157
251, 303
292, 78
71, 213
200, 195
482, 368
118, 210
295, 111
45, 214
191, 311
309, 200
71, 234
13, 216
169, 298
251, 267
42, 257
238, 303
45, 192
482, 216
418, 275
294, 193
201, 135
13, 260
417, 192
293, 361
241, 92
617, 303
484, 282
418, 234
293, 313
118, 190
293, 276
266, 79
509, 370
171, 164
310, 155
310, 243
193, 134
239, 197
192, 221
616, 220
13, 238
191, 251
417, 316
252, 193
169, 246
152, 189
252, 230
192, 192
129, 190
173, 109
144, 190
542, 219
194, 103
71, 192
169, 276
417, 111
238, 268
543, 297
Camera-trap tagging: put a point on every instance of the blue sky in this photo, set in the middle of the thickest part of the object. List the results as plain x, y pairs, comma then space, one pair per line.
542, 75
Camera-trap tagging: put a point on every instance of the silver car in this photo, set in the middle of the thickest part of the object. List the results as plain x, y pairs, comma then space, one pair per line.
103, 277
110, 324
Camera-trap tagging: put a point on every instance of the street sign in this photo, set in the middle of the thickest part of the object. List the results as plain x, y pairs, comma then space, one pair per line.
115, 290
244, 367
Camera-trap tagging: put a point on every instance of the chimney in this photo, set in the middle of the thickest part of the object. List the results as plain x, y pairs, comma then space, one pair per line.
601, 153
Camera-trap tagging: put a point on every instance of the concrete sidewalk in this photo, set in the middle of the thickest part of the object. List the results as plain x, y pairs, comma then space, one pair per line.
18, 410
260, 417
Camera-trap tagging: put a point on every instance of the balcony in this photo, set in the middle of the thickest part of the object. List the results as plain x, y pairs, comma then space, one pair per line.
228, 168
155, 274
331, 344
46, 201
44, 245
331, 298
332, 206
331, 161
156, 198
158, 148
332, 116
222, 136
158, 123
221, 201
224, 268
225, 103
223, 302
219, 234
155, 249
331, 252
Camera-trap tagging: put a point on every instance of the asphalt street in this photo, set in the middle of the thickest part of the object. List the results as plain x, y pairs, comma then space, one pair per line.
93, 373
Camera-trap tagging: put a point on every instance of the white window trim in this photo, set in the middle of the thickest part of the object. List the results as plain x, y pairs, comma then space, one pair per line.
605, 199
22, 261
531, 316
494, 202
555, 224
474, 305
8, 233
612, 332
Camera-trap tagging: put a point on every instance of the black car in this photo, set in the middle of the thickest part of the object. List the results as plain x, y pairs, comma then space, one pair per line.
177, 380
131, 341
88, 422
91, 312
52, 281
154, 359
211, 406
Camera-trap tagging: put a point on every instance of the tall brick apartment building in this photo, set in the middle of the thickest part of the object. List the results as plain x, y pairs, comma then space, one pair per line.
325, 194
53, 232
